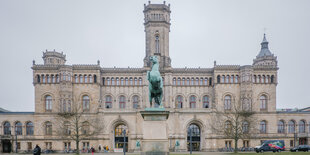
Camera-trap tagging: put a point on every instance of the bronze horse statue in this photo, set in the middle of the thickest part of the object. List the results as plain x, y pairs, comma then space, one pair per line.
155, 82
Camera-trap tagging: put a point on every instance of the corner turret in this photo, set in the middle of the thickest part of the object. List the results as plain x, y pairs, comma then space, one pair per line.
265, 57
54, 58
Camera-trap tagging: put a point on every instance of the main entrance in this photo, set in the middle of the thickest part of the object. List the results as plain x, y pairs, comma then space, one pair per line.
195, 132
6, 146
119, 137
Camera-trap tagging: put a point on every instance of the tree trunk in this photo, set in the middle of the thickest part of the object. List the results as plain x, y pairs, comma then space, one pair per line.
236, 145
77, 146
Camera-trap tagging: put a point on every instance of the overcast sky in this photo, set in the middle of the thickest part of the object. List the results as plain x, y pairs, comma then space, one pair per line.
112, 31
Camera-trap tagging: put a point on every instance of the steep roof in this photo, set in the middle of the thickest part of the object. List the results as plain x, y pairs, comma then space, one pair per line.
264, 49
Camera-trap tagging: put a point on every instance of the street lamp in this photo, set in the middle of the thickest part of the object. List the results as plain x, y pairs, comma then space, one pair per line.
15, 139
190, 140
124, 146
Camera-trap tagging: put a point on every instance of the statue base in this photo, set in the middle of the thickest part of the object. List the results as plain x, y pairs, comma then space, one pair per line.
155, 132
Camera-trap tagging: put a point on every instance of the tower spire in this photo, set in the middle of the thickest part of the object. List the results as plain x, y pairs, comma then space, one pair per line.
264, 48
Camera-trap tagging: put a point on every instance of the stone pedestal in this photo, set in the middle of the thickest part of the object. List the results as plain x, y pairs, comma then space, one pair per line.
155, 132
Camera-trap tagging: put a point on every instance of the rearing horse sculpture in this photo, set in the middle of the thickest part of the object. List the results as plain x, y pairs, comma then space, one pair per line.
155, 82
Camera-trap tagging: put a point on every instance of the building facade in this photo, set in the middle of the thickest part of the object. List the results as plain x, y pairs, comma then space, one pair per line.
117, 95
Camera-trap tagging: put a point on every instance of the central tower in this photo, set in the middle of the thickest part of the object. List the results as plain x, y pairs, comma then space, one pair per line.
157, 28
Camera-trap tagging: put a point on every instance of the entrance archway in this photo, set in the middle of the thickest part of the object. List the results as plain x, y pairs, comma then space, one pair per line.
6, 146
119, 137
195, 137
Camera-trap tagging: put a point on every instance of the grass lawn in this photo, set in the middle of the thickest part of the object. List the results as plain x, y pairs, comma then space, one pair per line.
271, 153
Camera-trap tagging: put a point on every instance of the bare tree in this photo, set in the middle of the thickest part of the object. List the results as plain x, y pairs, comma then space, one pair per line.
234, 123
77, 124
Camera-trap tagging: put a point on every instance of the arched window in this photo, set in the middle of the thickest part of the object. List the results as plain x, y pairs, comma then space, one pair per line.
197, 81
236, 79
53, 78
140, 81
108, 81
263, 79
192, 81
183, 81
119, 136
192, 101
38, 79
218, 79
227, 102
85, 101
108, 102
103, 81
117, 81
122, 102
130, 81
67, 130
302, 126
272, 79
232, 79
291, 126
122, 81
85, 128
69, 106
64, 106
136, 81
268, 79
112, 81
281, 126
245, 127
95, 78
263, 102
81, 78
135, 102
48, 128
227, 79
85, 79
90, 79
187, 81
48, 103
179, 102
174, 81
43, 78
223, 79
157, 44
18, 128
126, 81
64, 77
254, 78
179, 81
263, 126
194, 131
206, 82
210, 81
57, 78
201, 82
7, 128
228, 127
29, 128
76, 79
69, 77
205, 101
48, 78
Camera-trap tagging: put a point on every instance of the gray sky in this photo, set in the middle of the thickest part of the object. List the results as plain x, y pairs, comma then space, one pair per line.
228, 31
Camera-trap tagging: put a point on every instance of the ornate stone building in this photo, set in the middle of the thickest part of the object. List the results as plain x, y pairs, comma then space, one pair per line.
117, 95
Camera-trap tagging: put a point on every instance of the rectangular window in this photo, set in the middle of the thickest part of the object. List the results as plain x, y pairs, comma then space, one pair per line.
48, 145
228, 144
291, 143
29, 145
245, 143
18, 145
